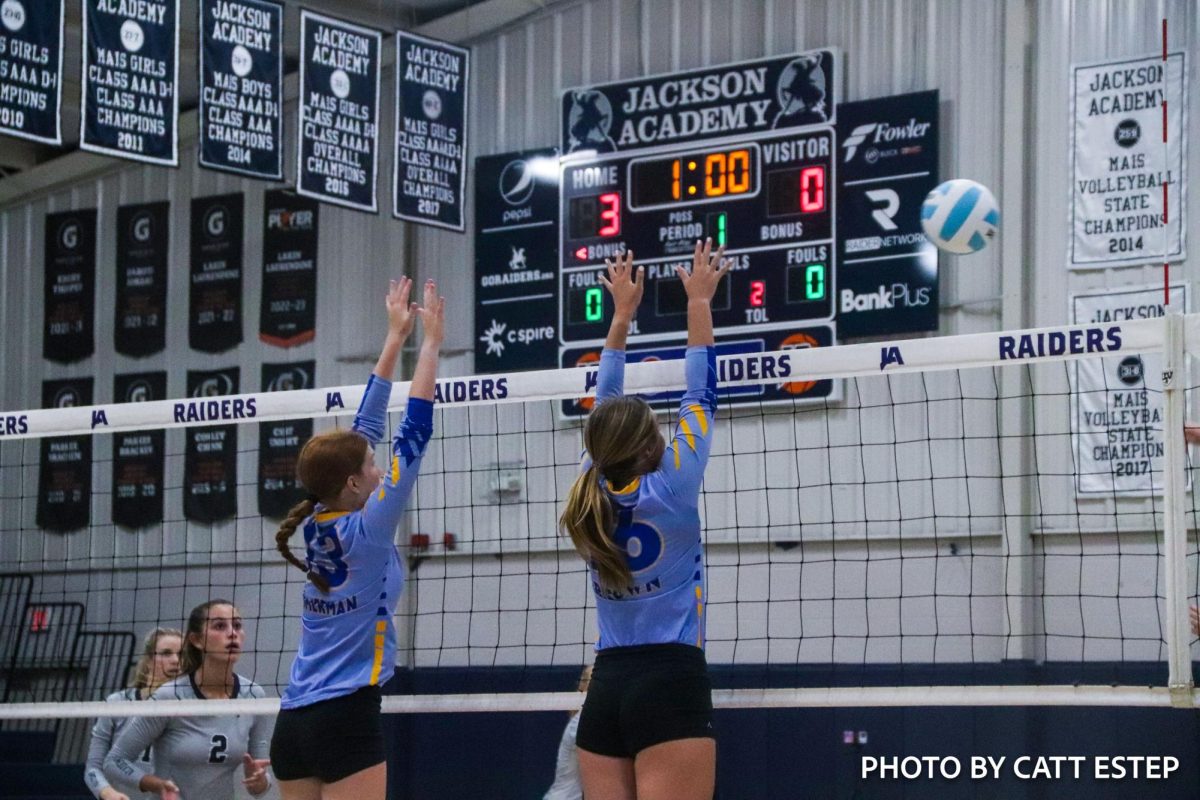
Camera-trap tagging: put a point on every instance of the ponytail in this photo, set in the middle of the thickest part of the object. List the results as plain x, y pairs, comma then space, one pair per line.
298, 514
589, 520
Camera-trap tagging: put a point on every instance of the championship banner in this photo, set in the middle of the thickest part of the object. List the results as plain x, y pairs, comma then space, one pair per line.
431, 132
65, 469
708, 103
1117, 402
142, 252
31, 50
338, 146
887, 164
215, 292
210, 454
241, 87
516, 261
1120, 163
137, 465
288, 314
69, 318
279, 442
130, 98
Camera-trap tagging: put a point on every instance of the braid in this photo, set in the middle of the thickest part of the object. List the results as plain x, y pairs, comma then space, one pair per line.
298, 514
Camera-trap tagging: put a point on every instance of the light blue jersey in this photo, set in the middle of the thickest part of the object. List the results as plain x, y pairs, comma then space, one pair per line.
348, 639
658, 520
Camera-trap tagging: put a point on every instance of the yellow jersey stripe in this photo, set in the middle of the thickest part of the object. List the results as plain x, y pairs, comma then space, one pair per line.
675, 447
629, 489
325, 516
687, 432
700, 417
377, 665
395, 470
699, 617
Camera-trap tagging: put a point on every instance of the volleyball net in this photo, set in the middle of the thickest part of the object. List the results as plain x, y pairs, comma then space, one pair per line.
986, 519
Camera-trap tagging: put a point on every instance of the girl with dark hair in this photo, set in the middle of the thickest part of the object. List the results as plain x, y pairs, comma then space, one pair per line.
158, 664
197, 757
328, 742
645, 731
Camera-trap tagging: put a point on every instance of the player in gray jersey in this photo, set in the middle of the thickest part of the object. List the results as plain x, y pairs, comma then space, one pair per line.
198, 758
158, 664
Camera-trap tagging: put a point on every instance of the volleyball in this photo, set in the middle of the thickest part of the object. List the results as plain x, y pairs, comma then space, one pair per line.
960, 216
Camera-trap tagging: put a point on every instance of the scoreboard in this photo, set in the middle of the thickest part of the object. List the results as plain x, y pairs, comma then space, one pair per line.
745, 154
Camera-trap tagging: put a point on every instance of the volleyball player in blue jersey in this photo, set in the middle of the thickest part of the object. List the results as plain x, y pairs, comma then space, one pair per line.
645, 732
328, 742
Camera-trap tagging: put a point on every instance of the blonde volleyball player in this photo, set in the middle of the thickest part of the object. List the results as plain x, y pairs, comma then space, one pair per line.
158, 664
645, 731
200, 757
328, 742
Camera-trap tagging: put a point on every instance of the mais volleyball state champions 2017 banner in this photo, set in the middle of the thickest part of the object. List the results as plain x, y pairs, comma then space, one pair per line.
130, 94
241, 87
1120, 162
31, 48
1117, 402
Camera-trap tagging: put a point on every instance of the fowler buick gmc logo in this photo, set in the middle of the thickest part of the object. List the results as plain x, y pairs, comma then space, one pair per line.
873, 134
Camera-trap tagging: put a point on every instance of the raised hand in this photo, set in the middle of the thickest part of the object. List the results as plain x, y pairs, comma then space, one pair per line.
624, 285
255, 771
401, 313
433, 314
707, 270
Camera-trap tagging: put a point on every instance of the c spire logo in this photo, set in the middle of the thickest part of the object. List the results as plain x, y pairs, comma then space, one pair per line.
491, 337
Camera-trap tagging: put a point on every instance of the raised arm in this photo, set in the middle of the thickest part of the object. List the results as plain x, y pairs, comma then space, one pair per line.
382, 512
626, 288
684, 461
371, 419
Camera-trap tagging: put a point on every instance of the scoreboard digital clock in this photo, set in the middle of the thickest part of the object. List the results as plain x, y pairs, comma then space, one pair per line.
768, 200
743, 153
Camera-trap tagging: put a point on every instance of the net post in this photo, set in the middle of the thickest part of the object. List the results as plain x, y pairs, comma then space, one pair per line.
1179, 678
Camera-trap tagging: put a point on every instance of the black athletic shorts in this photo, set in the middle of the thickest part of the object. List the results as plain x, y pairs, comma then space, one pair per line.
329, 740
645, 695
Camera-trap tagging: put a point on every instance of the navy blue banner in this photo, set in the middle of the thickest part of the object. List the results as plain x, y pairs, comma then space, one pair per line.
142, 251
130, 97
338, 145
137, 459
288, 314
65, 468
215, 296
887, 164
431, 131
279, 442
31, 47
69, 316
516, 261
210, 454
241, 87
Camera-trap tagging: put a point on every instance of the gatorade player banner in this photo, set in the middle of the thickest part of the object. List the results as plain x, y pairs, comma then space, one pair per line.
210, 454
142, 242
65, 470
1120, 162
241, 87
137, 458
31, 49
130, 98
279, 443
431, 132
1117, 402
215, 296
288, 315
69, 318
338, 145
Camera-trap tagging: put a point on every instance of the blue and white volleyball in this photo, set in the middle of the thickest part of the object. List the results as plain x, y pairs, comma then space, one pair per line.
960, 216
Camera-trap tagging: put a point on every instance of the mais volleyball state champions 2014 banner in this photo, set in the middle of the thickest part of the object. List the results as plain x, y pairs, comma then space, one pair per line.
1120, 162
